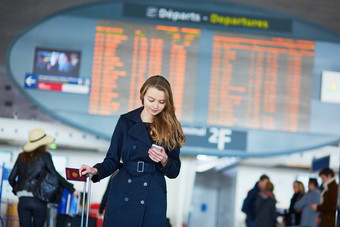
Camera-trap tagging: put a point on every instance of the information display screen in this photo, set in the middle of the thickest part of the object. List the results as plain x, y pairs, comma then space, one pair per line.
125, 54
254, 81
261, 82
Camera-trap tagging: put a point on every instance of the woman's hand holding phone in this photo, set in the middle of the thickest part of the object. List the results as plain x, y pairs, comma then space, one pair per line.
157, 154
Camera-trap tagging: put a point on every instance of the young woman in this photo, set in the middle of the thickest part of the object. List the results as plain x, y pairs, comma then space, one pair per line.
35, 180
137, 195
294, 216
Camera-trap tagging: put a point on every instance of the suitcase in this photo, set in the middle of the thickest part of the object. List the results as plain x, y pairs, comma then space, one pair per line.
66, 220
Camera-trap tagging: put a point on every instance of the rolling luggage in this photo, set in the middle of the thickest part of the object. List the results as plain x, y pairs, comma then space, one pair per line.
66, 220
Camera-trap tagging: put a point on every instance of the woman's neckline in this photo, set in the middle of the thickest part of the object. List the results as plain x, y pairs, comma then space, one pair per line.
143, 116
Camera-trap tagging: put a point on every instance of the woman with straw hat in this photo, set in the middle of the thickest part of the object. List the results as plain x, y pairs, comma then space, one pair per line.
35, 180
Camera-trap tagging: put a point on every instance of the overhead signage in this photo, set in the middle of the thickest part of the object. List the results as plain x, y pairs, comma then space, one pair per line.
79, 85
154, 12
215, 138
320, 163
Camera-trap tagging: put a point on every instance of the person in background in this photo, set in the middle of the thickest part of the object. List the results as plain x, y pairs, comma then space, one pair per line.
293, 216
249, 203
74, 59
35, 180
106, 194
266, 207
329, 198
40, 64
308, 215
52, 65
64, 64
137, 194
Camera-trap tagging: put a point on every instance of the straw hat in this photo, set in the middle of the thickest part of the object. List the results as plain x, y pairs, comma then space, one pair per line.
37, 137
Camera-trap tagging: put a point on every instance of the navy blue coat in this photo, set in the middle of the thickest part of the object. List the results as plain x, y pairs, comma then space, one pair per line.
249, 203
135, 199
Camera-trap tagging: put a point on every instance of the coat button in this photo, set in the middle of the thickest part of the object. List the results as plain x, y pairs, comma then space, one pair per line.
134, 147
126, 199
142, 202
129, 181
145, 184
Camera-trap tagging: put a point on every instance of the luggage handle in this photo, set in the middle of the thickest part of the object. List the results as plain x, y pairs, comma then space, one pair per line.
68, 203
88, 180
73, 174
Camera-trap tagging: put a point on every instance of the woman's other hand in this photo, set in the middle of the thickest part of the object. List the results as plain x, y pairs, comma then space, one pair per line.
76, 193
100, 216
85, 169
158, 156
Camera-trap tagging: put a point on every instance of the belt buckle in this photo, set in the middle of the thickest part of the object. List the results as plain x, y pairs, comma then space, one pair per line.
140, 166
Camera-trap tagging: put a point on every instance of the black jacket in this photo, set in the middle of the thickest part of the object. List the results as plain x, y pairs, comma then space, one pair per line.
249, 203
29, 175
265, 210
294, 216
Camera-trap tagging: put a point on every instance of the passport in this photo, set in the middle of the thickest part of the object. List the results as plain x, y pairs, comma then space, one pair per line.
73, 174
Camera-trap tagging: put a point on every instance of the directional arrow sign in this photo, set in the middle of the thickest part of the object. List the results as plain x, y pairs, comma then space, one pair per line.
31, 81
69, 84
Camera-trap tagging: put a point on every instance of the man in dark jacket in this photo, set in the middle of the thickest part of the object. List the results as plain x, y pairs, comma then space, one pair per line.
329, 198
249, 206
106, 194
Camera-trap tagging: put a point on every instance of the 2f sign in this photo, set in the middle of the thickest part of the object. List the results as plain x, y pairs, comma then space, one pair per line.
220, 137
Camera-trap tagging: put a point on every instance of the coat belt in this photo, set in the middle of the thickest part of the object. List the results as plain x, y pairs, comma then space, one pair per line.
140, 167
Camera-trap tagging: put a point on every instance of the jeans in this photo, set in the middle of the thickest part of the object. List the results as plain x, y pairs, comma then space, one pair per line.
250, 223
31, 207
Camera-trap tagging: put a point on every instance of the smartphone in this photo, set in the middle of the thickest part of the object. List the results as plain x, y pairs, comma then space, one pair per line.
155, 146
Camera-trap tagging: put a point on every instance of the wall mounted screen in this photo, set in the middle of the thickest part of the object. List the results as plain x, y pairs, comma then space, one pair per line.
56, 62
254, 81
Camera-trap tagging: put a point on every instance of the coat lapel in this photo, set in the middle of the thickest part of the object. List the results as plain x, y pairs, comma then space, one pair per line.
138, 130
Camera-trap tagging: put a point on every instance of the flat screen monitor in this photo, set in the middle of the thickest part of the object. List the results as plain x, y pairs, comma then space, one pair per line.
56, 62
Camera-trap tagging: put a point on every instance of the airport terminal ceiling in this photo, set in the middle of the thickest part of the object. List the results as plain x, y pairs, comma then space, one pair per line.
246, 82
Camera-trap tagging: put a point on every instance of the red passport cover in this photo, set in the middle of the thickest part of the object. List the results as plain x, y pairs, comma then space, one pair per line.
73, 174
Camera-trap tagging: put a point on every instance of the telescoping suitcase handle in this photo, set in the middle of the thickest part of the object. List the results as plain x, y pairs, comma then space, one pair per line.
88, 183
73, 174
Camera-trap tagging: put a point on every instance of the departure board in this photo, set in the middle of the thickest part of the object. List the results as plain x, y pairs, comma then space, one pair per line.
261, 82
254, 82
126, 54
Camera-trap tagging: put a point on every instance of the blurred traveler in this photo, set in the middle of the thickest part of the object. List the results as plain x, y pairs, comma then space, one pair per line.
35, 180
293, 216
329, 198
106, 194
265, 207
309, 216
64, 64
249, 203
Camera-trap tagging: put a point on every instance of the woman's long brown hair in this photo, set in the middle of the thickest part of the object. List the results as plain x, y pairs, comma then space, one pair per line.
165, 128
31, 156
